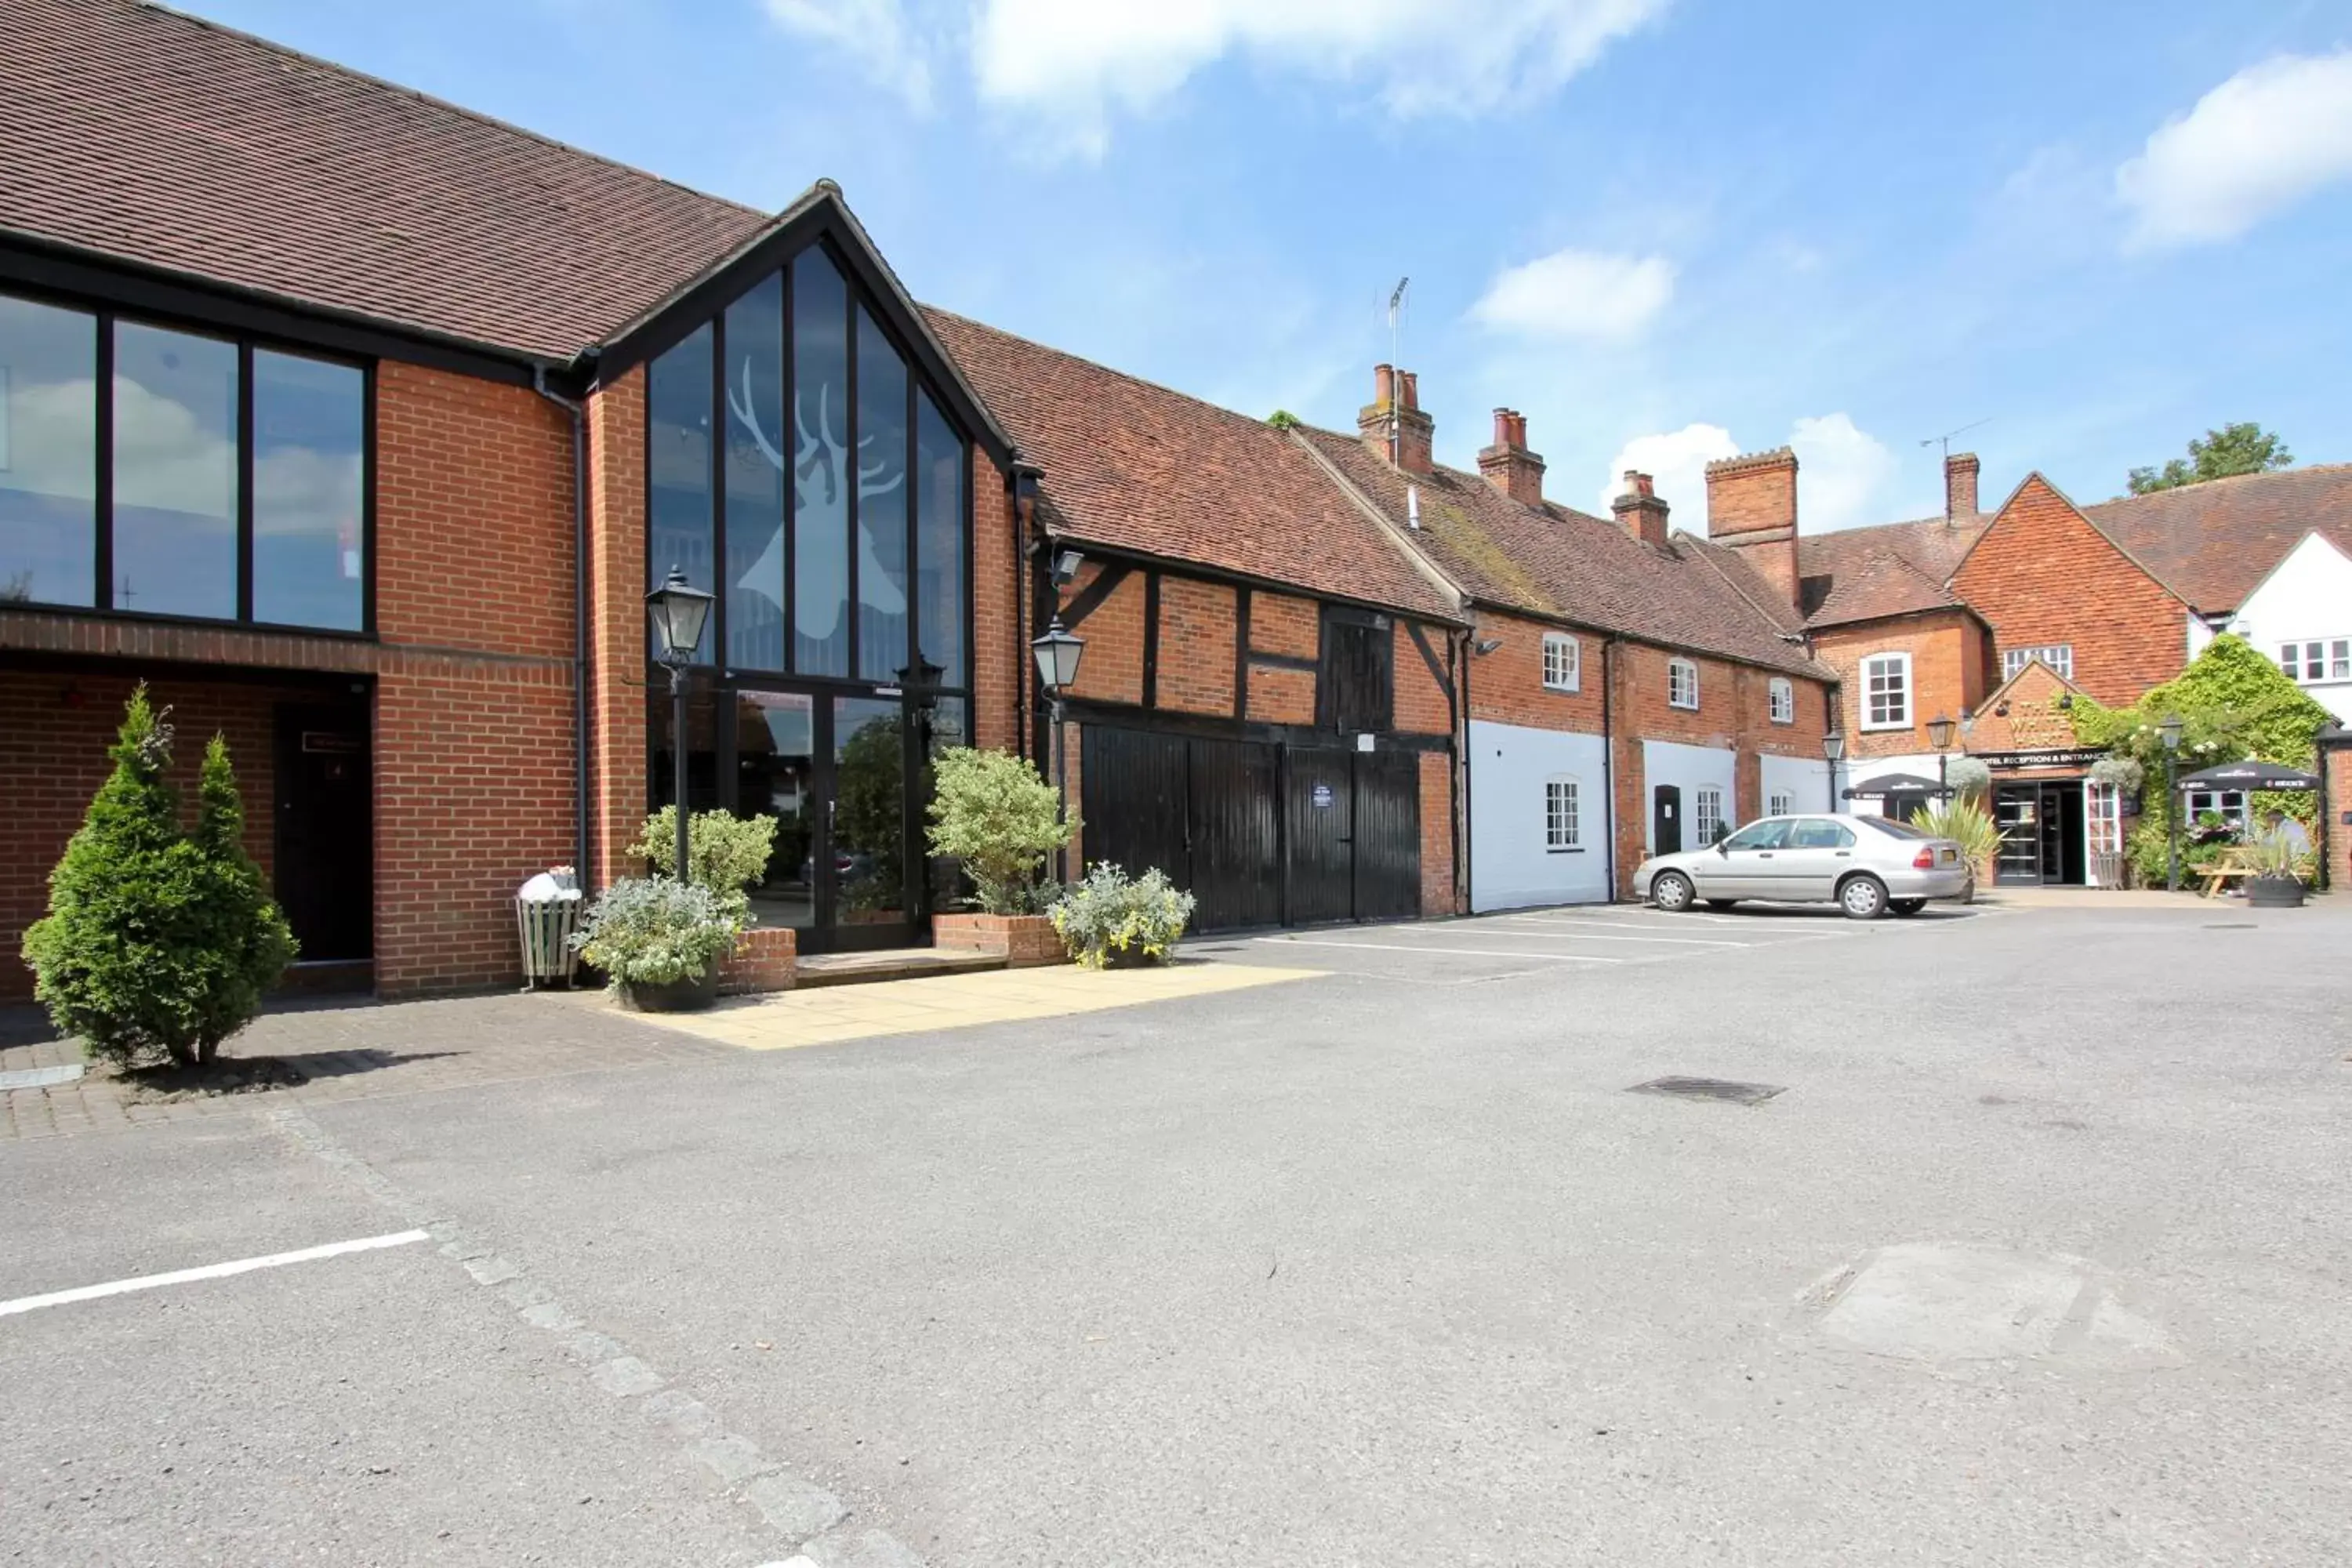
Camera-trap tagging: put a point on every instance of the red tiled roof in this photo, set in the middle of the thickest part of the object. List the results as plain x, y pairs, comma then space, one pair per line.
1892, 569
140, 133
1129, 465
1555, 561
2212, 542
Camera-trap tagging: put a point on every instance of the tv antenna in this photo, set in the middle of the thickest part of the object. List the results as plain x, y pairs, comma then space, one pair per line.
1396, 374
1945, 440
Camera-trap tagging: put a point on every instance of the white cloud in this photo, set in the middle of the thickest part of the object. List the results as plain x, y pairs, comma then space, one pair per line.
1677, 459
875, 34
2258, 143
1079, 63
1842, 472
1578, 294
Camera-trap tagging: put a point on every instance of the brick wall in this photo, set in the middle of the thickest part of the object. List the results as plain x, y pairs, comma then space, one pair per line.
1751, 506
1000, 641
475, 708
1948, 651
1288, 626
2335, 759
1437, 835
1112, 667
2042, 574
1422, 706
54, 728
1506, 685
618, 792
1196, 645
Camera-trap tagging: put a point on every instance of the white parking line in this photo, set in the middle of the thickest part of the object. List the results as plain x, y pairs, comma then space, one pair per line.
1463, 951
209, 1271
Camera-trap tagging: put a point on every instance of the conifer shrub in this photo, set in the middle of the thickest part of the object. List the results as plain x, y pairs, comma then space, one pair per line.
158, 942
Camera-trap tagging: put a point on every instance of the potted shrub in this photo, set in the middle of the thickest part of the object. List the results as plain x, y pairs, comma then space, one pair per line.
660, 941
1971, 827
993, 812
1108, 921
2277, 881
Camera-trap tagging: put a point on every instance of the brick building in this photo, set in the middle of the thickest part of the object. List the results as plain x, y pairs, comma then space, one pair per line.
1627, 690
1987, 617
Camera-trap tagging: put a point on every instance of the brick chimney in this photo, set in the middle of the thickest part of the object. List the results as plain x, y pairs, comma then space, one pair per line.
1751, 506
1640, 512
1396, 396
1959, 485
1508, 466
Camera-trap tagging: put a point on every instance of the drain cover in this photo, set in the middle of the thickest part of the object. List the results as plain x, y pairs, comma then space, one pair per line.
1710, 1089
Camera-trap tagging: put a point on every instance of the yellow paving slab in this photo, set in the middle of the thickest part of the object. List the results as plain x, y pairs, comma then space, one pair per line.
838, 1013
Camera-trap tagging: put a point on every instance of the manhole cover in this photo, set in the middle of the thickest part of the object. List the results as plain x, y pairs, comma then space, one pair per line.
1710, 1089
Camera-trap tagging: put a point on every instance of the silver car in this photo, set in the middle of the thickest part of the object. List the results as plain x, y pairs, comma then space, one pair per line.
1866, 864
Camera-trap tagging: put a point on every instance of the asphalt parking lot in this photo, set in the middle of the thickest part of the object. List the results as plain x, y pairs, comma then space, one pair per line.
2033, 1251
1530, 941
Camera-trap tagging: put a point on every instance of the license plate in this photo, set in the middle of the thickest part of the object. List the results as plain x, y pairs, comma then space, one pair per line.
1947, 856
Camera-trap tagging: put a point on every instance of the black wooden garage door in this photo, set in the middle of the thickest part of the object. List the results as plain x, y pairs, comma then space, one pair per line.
1260, 834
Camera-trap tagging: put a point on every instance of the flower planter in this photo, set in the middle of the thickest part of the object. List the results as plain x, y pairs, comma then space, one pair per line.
1023, 942
2274, 892
689, 996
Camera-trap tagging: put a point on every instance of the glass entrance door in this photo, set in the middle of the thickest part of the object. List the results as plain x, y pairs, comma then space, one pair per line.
834, 772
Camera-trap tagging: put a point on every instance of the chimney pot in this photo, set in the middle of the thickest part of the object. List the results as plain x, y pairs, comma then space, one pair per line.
1393, 426
1640, 512
1409, 387
1508, 466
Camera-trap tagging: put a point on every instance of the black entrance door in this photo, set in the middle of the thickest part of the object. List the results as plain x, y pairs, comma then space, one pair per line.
323, 843
2041, 839
1666, 819
1388, 836
1319, 811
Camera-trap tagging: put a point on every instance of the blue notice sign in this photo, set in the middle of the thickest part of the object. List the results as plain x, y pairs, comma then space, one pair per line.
1322, 798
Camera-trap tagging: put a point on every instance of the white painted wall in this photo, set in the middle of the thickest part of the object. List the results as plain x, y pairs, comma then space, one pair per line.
2307, 598
2200, 635
1671, 763
1510, 865
1806, 782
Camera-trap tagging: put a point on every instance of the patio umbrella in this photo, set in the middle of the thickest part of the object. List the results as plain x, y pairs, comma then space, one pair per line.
2249, 774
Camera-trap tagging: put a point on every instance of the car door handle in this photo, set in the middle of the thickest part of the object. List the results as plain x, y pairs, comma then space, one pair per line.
1764, 855
1846, 854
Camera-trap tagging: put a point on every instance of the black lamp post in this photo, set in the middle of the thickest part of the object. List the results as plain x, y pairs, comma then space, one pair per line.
1939, 735
1834, 750
678, 612
1059, 652
2169, 732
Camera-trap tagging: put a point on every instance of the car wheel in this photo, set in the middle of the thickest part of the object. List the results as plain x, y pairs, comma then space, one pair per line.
1671, 891
1906, 907
1863, 897
1721, 903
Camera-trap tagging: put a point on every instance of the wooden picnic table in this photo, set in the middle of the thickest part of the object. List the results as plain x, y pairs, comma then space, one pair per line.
2218, 874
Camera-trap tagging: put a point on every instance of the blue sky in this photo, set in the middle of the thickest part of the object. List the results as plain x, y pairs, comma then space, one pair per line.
1663, 229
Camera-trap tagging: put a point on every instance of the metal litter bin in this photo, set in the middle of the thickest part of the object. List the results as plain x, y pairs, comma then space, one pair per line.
547, 912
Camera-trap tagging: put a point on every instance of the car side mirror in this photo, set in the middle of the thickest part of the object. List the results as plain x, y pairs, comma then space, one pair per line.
1723, 847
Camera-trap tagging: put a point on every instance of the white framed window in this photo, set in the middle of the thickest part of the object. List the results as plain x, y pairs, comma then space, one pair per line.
1783, 694
1563, 663
1779, 803
2308, 663
1563, 818
2229, 805
1682, 683
2058, 656
1887, 691
1706, 814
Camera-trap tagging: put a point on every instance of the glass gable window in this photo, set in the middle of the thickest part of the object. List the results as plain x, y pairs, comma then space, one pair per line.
202, 477
1887, 691
677, 461
834, 487
758, 437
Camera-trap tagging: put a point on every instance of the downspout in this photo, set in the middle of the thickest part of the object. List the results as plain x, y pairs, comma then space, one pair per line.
579, 416
1609, 761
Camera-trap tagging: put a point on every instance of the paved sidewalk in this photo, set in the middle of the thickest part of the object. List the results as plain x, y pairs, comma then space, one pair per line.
363, 1049
2096, 898
824, 1016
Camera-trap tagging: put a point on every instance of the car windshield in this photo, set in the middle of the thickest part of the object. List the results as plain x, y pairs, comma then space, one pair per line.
1894, 829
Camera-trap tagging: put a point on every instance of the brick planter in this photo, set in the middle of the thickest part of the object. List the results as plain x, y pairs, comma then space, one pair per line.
764, 960
1023, 942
